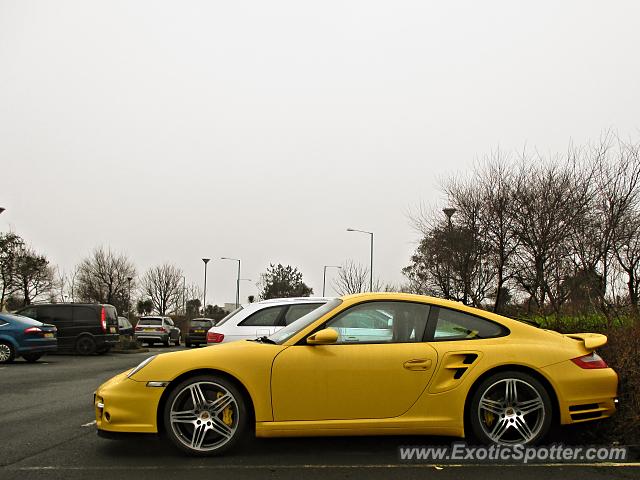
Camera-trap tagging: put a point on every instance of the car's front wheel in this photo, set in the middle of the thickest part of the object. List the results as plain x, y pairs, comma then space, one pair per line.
510, 408
205, 415
31, 357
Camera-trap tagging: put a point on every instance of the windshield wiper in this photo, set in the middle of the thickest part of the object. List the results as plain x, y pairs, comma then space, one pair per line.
265, 339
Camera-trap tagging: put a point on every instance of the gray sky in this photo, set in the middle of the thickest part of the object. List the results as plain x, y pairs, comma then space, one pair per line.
262, 130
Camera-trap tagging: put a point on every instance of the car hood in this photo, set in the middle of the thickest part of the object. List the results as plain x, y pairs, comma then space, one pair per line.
241, 359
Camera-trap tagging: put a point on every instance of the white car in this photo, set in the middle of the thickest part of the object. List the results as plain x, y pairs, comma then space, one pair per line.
261, 319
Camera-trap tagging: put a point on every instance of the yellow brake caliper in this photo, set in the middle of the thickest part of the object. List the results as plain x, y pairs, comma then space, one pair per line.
227, 413
489, 417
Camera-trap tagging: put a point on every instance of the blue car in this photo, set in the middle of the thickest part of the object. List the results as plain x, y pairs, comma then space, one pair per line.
24, 337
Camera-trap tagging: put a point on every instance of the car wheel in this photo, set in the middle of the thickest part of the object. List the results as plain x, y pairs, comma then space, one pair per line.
166, 342
205, 416
85, 345
187, 344
178, 341
7, 352
510, 408
32, 357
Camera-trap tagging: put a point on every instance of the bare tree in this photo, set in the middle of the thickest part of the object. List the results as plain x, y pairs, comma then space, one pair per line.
33, 275
10, 247
163, 285
627, 252
102, 277
352, 278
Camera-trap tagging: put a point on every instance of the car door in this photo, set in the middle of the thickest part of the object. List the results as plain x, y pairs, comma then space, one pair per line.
370, 372
60, 316
262, 323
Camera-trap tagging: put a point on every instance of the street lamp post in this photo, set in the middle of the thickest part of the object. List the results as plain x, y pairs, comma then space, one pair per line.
237, 279
129, 299
371, 252
449, 211
204, 306
184, 296
324, 276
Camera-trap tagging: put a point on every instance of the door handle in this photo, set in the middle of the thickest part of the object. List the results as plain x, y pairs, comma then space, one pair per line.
420, 364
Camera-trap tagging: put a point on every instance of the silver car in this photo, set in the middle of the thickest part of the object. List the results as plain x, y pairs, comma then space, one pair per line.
157, 330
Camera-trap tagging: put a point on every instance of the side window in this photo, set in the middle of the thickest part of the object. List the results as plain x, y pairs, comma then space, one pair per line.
267, 317
54, 314
169, 322
382, 322
455, 325
297, 311
85, 316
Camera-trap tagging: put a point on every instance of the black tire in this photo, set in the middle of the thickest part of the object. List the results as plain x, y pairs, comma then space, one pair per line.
187, 344
85, 345
7, 352
32, 357
512, 418
238, 428
166, 342
178, 341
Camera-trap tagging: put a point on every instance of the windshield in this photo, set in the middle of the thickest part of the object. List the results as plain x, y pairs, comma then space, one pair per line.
290, 330
228, 316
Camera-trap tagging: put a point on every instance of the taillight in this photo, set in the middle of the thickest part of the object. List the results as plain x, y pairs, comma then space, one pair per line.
592, 360
213, 337
33, 330
103, 320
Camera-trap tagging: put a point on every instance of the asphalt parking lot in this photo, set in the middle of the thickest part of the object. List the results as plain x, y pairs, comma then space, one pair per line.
47, 431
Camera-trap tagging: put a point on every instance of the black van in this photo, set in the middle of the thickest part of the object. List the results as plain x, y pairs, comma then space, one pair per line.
85, 328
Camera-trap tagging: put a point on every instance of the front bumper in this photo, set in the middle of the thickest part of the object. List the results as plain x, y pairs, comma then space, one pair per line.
125, 405
583, 395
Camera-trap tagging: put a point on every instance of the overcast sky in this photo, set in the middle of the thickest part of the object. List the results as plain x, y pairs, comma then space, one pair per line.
263, 129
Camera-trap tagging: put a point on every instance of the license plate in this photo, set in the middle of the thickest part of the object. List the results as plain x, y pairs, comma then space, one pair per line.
48, 335
199, 331
149, 330
112, 329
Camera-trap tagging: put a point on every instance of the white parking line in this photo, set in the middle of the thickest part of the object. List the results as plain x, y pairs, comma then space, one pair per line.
89, 424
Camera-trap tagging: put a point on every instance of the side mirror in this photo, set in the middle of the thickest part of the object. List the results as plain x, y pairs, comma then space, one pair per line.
323, 337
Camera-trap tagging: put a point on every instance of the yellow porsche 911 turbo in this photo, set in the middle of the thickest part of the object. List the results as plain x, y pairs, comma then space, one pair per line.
368, 364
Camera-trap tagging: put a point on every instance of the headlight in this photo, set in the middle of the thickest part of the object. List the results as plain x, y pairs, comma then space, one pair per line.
142, 364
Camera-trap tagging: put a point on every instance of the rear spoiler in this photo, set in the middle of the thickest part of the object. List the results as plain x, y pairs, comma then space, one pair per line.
591, 340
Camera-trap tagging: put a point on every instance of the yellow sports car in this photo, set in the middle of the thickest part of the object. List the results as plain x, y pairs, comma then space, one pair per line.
368, 364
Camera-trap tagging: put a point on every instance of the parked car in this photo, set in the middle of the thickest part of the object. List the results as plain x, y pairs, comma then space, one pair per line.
261, 319
157, 329
85, 328
24, 337
442, 368
124, 326
197, 332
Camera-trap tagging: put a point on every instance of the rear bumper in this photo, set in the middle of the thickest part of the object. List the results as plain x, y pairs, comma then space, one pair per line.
157, 337
196, 338
583, 395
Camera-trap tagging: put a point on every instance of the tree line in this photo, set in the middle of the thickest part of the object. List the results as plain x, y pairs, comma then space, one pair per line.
550, 235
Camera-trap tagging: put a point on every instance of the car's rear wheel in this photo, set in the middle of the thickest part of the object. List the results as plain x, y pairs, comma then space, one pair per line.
85, 345
7, 352
32, 357
510, 408
205, 415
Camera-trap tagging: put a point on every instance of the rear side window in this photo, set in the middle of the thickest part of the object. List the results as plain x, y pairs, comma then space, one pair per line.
225, 319
112, 314
2, 322
86, 315
29, 312
297, 311
54, 314
168, 321
267, 317
455, 325
150, 321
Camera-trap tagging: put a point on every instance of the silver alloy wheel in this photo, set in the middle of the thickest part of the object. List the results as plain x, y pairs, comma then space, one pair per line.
5, 352
199, 416
511, 411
